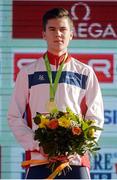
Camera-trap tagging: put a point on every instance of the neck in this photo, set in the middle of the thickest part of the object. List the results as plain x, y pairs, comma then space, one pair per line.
60, 53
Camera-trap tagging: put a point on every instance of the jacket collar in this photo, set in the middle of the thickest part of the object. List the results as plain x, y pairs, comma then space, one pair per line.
57, 60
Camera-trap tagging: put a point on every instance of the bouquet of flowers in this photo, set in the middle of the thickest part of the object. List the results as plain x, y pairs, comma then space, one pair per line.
64, 133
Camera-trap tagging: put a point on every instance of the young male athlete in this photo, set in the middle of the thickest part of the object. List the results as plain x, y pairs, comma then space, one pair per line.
77, 88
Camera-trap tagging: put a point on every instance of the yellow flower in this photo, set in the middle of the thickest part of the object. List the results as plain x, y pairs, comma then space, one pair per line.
91, 132
64, 122
44, 123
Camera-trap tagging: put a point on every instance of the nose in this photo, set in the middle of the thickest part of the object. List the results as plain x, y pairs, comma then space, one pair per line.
58, 32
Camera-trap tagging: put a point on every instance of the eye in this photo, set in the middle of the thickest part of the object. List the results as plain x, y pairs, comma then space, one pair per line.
63, 29
52, 29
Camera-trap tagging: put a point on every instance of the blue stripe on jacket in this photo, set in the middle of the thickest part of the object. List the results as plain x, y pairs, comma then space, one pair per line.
67, 77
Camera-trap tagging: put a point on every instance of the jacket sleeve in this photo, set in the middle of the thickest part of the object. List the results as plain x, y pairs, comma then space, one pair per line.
17, 107
94, 102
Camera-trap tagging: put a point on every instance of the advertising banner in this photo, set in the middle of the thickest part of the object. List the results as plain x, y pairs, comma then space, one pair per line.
104, 164
102, 63
12, 165
92, 19
110, 115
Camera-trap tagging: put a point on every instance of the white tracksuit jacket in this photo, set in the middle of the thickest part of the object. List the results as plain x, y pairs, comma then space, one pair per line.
78, 81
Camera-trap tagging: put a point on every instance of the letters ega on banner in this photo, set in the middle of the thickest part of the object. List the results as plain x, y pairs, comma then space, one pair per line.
85, 29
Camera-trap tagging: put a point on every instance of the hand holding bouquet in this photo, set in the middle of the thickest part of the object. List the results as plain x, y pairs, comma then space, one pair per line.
62, 134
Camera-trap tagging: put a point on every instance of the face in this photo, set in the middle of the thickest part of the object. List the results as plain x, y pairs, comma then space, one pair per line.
58, 35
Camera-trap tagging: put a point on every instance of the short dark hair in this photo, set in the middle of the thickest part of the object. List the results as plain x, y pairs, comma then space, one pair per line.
54, 14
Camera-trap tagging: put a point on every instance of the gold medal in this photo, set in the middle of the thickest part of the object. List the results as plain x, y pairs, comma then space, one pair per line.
51, 105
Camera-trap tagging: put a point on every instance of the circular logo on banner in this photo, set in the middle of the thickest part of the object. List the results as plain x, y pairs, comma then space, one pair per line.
86, 16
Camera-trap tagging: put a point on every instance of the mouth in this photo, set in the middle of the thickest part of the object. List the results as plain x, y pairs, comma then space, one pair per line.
58, 41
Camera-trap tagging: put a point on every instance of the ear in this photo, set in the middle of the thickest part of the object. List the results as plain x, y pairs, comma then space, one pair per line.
44, 35
71, 35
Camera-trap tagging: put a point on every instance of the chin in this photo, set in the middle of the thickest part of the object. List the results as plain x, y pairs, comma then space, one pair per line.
60, 47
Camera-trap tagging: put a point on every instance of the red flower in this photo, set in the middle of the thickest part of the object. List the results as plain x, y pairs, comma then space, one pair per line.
53, 124
76, 130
